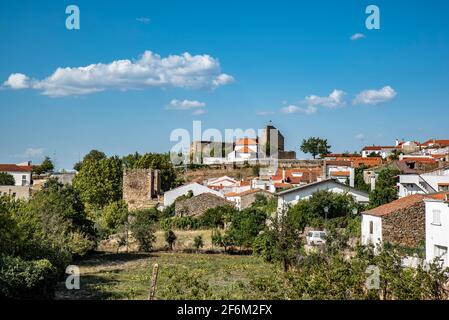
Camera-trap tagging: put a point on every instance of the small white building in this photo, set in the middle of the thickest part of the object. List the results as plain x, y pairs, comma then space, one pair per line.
425, 183
195, 188
437, 227
382, 151
291, 196
21, 172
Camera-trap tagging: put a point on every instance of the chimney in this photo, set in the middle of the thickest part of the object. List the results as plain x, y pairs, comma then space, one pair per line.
283, 174
397, 142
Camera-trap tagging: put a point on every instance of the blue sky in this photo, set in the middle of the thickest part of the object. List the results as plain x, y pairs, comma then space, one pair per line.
281, 61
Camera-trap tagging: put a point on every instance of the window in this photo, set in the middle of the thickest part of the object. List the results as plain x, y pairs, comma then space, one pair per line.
441, 252
443, 187
436, 217
24, 180
371, 227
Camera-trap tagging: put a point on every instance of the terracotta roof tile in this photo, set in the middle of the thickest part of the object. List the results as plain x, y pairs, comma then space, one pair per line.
400, 204
15, 168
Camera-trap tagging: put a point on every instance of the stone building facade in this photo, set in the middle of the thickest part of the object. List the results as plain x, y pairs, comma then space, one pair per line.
400, 222
197, 205
405, 227
141, 188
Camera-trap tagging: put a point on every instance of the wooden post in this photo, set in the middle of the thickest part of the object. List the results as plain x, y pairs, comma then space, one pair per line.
153, 282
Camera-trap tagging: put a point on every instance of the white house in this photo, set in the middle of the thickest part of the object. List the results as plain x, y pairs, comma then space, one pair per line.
399, 222
382, 151
21, 172
245, 149
196, 188
221, 182
437, 227
425, 183
292, 196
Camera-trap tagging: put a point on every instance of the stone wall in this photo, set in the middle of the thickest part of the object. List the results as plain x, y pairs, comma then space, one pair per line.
17, 192
141, 188
197, 205
405, 227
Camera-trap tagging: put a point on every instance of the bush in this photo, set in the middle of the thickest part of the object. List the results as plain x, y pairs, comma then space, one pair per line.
20, 279
115, 214
142, 230
263, 246
170, 238
6, 179
198, 242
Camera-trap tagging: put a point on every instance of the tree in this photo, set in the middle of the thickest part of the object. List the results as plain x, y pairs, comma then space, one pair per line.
99, 182
198, 242
359, 182
6, 179
315, 146
245, 225
45, 167
93, 155
170, 238
142, 229
281, 242
115, 214
385, 190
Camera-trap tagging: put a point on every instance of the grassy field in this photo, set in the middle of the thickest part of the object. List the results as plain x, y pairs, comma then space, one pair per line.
128, 275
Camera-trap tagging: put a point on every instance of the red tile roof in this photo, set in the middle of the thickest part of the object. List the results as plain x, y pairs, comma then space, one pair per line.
339, 173
15, 168
441, 143
245, 193
245, 149
400, 204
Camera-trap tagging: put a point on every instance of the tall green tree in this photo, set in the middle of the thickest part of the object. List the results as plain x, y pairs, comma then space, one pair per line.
315, 146
385, 190
93, 155
99, 182
45, 167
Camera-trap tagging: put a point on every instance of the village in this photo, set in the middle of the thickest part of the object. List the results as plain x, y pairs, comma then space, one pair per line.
382, 196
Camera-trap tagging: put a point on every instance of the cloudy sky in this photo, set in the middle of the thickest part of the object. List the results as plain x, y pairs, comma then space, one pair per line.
137, 70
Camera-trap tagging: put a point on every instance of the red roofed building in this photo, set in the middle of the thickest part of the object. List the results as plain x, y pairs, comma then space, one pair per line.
22, 173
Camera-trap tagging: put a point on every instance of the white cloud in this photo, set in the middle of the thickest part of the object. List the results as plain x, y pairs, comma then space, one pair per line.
360, 136
17, 81
334, 100
296, 109
375, 97
357, 36
198, 112
144, 20
176, 104
34, 152
150, 70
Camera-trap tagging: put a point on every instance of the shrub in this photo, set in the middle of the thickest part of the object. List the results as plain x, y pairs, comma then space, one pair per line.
142, 230
20, 279
115, 214
170, 238
198, 242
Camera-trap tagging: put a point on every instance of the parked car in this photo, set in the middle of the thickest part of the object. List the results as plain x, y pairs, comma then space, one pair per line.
316, 238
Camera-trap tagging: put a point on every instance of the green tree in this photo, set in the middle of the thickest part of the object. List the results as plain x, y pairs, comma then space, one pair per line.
359, 182
142, 228
93, 155
6, 179
245, 225
170, 238
99, 182
115, 214
385, 190
45, 167
315, 146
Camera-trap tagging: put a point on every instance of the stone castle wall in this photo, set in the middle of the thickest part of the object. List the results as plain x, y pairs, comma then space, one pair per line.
141, 188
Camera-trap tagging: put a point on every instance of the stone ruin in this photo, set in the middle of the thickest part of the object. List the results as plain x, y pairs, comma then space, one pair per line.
141, 188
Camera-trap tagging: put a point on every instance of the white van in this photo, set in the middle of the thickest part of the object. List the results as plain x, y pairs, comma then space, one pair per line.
316, 238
